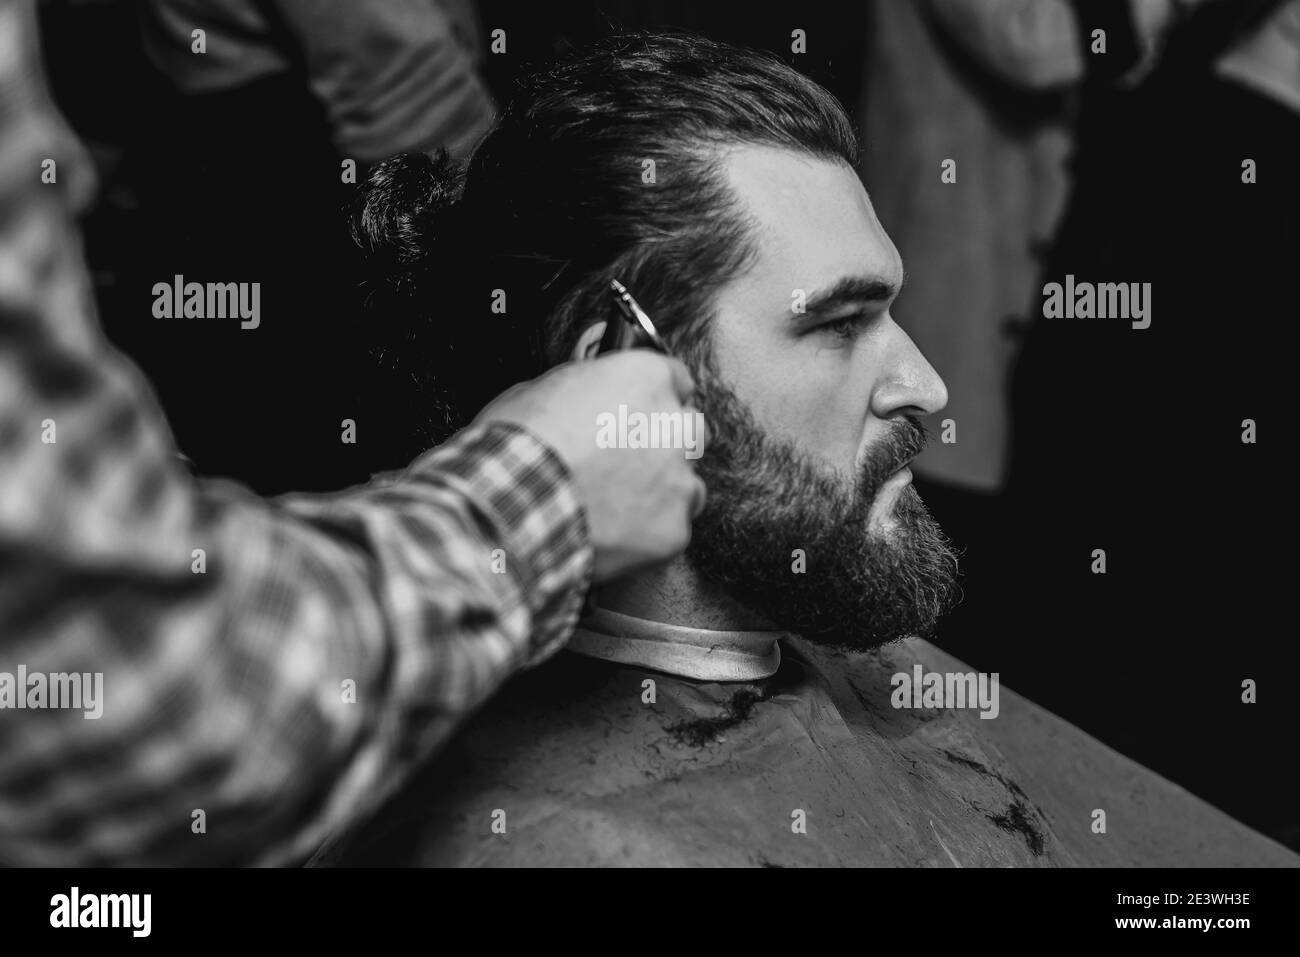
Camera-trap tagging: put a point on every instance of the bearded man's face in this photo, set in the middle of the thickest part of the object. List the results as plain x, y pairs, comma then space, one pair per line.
813, 396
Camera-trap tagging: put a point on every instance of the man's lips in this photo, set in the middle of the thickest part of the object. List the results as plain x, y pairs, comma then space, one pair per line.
896, 481
889, 490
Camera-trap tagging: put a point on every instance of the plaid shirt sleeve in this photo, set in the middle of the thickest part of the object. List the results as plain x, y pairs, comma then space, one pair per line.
266, 691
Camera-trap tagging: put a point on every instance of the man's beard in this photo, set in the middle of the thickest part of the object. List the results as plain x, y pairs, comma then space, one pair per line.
767, 499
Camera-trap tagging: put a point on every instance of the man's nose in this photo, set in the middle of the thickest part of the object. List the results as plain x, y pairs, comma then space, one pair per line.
908, 384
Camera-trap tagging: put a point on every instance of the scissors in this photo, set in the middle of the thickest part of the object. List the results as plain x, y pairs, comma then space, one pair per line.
635, 331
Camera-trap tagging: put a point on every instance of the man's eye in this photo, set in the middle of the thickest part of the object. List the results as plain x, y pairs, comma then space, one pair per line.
846, 328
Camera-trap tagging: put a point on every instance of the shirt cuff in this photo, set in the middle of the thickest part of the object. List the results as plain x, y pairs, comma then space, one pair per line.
527, 503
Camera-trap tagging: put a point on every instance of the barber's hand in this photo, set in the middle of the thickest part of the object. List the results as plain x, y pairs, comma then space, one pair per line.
639, 502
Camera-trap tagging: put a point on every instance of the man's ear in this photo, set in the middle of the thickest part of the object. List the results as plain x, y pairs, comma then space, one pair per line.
588, 342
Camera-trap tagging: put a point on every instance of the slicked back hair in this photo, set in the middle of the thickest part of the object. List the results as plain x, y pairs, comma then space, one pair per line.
607, 165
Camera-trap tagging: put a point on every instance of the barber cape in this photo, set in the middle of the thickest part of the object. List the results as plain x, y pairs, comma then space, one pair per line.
777, 752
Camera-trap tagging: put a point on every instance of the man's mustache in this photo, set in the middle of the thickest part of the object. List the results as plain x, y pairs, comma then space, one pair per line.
904, 442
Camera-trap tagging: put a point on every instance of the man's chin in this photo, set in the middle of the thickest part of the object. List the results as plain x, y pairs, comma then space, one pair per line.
894, 519
846, 588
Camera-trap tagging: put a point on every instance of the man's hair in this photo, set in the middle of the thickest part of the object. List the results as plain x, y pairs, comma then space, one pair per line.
604, 166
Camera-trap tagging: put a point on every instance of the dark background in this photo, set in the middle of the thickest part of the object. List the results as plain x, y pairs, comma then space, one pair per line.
1124, 441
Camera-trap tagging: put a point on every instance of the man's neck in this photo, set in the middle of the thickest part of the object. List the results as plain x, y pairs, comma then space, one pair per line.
669, 619
676, 594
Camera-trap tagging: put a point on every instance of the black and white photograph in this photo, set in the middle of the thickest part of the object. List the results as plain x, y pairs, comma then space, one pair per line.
645, 434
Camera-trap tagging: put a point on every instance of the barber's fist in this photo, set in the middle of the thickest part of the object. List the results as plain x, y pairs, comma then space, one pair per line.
639, 501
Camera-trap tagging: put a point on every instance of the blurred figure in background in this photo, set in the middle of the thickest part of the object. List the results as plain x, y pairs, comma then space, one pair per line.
1186, 181
986, 86
392, 77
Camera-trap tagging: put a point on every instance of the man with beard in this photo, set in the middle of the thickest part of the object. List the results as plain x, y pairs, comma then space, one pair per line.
754, 702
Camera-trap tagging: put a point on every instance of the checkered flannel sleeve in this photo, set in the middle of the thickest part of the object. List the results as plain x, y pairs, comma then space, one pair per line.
272, 670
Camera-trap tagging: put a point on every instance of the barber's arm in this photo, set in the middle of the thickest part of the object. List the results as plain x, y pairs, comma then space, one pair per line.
270, 669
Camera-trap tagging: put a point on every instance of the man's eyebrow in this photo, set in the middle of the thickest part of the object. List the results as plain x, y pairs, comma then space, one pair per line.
852, 291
